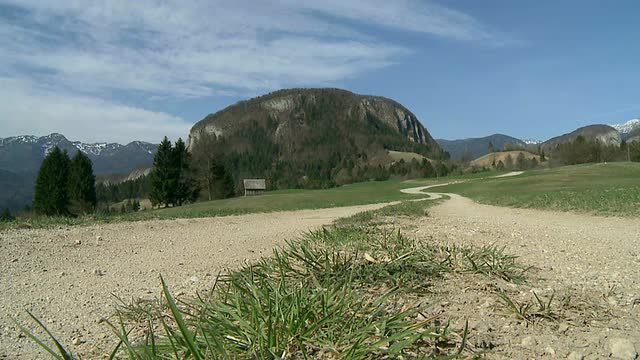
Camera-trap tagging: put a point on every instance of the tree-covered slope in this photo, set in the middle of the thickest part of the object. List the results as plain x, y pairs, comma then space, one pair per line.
477, 147
310, 137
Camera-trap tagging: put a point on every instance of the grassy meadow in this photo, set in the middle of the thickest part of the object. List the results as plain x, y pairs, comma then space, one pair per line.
601, 189
280, 200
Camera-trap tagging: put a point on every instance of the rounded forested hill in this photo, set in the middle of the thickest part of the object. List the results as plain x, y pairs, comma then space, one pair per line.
310, 137
604, 134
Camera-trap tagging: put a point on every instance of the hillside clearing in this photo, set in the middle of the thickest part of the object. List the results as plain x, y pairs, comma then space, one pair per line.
491, 159
406, 156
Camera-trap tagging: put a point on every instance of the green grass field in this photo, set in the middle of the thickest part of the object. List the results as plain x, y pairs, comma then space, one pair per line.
281, 200
284, 200
602, 189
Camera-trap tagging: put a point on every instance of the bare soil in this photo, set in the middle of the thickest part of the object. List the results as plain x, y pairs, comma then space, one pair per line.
67, 275
593, 260
70, 276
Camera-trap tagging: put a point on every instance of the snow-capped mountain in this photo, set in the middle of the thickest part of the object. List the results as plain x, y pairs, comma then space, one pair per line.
23, 154
627, 127
532, 141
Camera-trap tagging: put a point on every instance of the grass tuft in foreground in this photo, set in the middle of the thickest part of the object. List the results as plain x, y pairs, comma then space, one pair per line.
337, 293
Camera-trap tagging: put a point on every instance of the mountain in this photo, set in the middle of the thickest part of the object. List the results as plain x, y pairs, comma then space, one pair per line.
21, 156
633, 135
478, 146
627, 128
532, 141
310, 137
13, 192
604, 134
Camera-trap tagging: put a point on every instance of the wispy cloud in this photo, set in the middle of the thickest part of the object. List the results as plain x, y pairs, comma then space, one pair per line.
35, 111
83, 49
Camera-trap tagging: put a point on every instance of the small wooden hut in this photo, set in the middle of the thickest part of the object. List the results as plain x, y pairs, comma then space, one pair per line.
254, 187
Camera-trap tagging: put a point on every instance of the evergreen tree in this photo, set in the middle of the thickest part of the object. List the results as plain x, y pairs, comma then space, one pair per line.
5, 216
521, 161
51, 197
163, 175
82, 183
186, 189
429, 171
221, 181
500, 166
508, 162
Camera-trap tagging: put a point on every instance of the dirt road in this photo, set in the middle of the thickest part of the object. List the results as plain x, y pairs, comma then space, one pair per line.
594, 259
68, 275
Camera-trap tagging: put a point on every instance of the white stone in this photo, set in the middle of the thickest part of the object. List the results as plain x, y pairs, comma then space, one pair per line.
622, 349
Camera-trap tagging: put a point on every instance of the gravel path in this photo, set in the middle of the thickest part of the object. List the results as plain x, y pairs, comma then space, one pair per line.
67, 275
596, 259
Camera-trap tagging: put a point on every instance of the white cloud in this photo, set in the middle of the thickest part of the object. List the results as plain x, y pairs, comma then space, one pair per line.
34, 111
87, 50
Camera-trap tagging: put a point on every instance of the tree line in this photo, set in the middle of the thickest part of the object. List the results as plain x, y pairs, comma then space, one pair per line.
582, 151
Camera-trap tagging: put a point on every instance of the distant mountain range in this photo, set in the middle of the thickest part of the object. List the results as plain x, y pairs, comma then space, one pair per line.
477, 147
21, 156
609, 134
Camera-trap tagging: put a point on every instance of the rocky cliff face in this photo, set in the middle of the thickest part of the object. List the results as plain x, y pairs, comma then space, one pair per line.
310, 138
297, 111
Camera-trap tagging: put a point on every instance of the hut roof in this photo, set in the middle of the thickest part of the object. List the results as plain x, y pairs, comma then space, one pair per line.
255, 184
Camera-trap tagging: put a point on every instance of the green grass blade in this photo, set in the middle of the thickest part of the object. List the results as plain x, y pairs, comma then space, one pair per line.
180, 321
37, 340
63, 351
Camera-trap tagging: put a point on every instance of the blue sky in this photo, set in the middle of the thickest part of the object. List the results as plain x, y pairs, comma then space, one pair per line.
124, 70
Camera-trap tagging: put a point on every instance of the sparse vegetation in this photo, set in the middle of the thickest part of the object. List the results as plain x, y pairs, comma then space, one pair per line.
335, 293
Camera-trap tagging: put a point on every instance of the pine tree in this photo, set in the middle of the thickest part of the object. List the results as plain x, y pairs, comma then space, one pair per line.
5, 216
163, 175
508, 162
186, 189
221, 181
51, 197
82, 183
429, 171
521, 161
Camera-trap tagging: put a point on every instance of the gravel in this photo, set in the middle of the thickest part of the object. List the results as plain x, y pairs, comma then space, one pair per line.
69, 276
